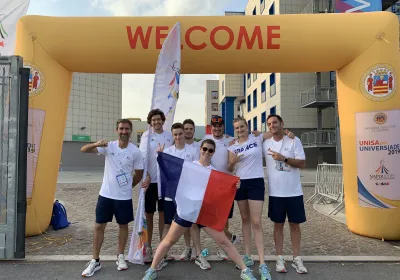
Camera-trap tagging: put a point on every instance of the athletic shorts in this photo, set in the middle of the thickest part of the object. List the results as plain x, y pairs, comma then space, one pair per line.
169, 212
184, 223
151, 201
106, 208
291, 207
251, 189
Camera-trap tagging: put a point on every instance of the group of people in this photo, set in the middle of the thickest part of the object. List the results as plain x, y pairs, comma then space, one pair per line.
241, 156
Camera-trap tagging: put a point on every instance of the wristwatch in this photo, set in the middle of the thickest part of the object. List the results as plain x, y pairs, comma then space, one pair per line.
286, 160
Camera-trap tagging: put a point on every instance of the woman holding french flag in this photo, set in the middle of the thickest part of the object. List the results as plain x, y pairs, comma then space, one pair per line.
179, 226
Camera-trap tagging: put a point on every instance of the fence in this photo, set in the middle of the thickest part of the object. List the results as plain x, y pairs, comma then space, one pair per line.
329, 185
14, 94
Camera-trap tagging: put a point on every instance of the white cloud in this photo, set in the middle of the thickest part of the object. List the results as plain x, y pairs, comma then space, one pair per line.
137, 89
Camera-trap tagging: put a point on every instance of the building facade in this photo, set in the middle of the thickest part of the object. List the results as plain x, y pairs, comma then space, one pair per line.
211, 105
95, 104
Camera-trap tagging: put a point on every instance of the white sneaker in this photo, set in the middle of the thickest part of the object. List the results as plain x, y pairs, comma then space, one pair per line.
91, 268
194, 254
186, 254
202, 262
280, 265
149, 255
235, 239
222, 255
122, 265
161, 265
298, 265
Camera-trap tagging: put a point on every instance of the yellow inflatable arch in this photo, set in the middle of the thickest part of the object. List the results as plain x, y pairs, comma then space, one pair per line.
363, 48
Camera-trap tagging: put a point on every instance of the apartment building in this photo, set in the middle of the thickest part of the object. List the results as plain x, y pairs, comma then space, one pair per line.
211, 100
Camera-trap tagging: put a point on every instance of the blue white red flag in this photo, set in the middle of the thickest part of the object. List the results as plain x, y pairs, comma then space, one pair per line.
202, 196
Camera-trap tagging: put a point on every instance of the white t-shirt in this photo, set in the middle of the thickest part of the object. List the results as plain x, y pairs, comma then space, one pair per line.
188, 154
164, 138
196, 145
284, 183
208, 166
250, 165
220, 158
118, 170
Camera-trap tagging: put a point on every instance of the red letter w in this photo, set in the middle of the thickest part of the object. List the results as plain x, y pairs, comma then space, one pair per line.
144, 39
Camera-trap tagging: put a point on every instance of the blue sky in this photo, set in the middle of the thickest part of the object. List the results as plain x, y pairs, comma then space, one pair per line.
192, 87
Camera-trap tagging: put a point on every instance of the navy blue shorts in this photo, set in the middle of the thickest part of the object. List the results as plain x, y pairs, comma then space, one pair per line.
251, 189
169, 212
151, 201
292, 207
106, 208
184, 223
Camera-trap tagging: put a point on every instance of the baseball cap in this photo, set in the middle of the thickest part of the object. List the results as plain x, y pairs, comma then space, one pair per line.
217, 120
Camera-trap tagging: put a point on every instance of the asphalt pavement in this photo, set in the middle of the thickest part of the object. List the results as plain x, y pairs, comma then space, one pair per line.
187, 270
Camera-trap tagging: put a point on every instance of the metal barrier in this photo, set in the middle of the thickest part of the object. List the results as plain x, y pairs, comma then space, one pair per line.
329, 185
14, 94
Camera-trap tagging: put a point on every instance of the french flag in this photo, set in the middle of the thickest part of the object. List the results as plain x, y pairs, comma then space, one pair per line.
202, 196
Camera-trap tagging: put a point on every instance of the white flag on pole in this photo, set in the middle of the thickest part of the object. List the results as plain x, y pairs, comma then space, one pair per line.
165, 97
10, 12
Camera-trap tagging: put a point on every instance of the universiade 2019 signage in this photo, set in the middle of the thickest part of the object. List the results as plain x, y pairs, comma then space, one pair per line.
355, 45
257, 37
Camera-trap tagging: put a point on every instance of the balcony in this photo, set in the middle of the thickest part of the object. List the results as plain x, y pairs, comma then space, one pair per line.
318, 97
319, 139
320, 6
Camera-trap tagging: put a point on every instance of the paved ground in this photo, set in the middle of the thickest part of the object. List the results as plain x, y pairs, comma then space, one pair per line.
321, 236
219, 271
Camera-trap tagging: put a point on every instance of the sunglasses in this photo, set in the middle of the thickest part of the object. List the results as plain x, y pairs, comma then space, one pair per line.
205, 149
217, 120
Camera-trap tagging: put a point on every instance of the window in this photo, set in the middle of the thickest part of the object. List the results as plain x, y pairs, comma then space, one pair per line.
272, 111
255, 98
272, 9
249, 103
255, 123
262, 6
214, 95
254, 76
223, 88
333, 78
272, 84
214, 106
248, 79
263, 92
254, 11
263, 122
249, 124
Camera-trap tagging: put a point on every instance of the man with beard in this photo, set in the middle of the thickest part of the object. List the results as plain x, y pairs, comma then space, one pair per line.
122, 159
158, 137
220, 162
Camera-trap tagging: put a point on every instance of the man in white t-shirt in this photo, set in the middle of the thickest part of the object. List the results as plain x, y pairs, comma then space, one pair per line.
122, 171
158, 137
285, 157
189, 130
186, 152
220, 161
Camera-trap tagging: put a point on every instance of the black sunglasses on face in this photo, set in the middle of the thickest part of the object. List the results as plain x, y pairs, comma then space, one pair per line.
205, 149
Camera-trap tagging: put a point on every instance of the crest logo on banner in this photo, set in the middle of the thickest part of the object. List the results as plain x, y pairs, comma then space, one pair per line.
165, 97
37, 79
378, 83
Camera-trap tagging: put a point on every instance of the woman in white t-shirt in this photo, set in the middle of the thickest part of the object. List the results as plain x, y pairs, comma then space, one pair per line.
245, 159
180, 226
